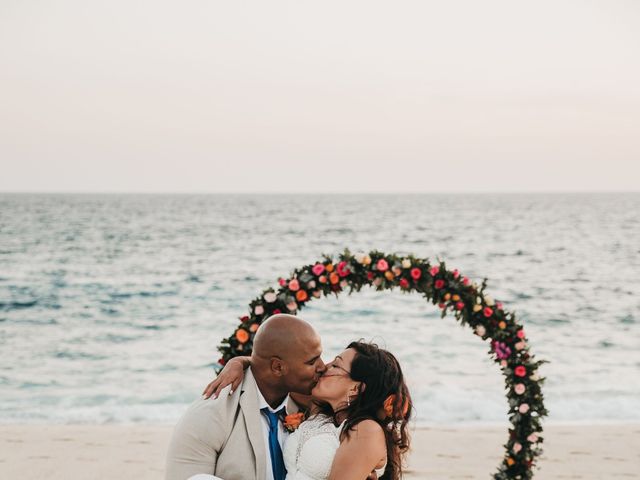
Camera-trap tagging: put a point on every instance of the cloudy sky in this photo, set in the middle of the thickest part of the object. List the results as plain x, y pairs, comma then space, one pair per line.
319, 96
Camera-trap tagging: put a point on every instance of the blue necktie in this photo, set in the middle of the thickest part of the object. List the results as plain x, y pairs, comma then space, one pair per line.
277, 462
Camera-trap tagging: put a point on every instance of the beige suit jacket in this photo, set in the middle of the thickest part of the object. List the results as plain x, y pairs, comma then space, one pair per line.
221, 437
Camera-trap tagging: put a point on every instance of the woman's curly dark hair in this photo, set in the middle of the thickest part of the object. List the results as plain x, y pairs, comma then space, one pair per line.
384, 383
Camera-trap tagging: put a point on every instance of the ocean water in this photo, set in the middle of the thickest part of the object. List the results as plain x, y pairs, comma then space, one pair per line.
112, 306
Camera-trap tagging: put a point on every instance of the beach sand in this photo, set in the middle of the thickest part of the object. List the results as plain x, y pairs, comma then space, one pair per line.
109, 452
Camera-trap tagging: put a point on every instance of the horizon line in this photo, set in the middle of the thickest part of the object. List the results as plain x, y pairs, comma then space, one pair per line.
159, 192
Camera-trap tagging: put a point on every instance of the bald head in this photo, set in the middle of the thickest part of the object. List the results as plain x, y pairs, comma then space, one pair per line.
286, 355
281, 335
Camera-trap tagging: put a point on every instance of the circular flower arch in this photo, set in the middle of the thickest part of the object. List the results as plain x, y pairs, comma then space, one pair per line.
448, 289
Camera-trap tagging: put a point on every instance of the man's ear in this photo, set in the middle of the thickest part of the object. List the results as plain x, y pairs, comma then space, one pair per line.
278, 366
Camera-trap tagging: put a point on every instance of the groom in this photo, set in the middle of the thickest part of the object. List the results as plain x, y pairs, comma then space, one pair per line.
240, 436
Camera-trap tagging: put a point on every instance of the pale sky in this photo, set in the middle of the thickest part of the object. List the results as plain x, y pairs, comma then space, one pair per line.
319, 96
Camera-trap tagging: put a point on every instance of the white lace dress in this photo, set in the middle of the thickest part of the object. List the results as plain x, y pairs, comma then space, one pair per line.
308, 452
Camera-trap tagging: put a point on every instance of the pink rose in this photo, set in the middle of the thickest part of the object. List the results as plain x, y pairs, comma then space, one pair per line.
416, 273
294, 285
519, 388
434, 270
520, 345
533, 438
456, 273
291, 306
317, 293
317, 269
503, 363
382, 265
487, 312
465, 281
259, 310
524, 408
344, 283
282, 282
269, 297
520, 334
377, 281
516, 447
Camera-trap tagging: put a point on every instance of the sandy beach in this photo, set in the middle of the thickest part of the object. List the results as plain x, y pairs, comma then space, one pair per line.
101, 452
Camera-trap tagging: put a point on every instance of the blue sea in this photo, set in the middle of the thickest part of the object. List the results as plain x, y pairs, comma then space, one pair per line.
112, 306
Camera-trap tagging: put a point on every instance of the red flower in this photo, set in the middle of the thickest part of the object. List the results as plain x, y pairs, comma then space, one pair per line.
456, 273
441, 305
222, 361
277, 310
342, 270
244, 318
434, 270
459, 305
439, 283
370, 275
487, 312
404, 283
282, 282
520, 371
465, 281
416, 273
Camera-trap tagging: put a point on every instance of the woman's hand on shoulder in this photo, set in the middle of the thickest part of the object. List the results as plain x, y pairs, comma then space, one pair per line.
232, 374
360, 452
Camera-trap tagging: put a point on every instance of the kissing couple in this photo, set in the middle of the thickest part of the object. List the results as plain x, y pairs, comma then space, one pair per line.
282, 413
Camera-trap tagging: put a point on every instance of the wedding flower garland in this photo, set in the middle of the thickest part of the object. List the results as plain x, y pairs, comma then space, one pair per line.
451, 291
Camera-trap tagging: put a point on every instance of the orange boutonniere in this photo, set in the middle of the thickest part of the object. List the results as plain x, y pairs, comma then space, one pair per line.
293, 421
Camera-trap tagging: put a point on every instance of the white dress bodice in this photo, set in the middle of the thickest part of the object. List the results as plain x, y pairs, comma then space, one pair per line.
309, 451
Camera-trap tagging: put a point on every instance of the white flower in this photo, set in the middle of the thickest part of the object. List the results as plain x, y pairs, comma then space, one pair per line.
516, 447
406, 263
311, 284
480, 330
534, 377
360, 257
533, 438
259, 310
488, 300
269, 297
520, 345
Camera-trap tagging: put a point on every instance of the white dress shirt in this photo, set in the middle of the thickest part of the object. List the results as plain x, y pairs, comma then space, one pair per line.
282, 432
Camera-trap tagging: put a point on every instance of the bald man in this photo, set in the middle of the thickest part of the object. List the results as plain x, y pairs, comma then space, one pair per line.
239, 435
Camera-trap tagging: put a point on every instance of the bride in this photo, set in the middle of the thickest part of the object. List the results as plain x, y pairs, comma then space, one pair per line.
356, 421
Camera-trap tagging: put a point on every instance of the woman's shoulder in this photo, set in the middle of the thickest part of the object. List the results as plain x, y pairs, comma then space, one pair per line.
367, 429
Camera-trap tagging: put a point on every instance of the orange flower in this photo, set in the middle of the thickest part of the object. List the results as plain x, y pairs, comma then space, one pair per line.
242, 335
329, 267
334, 278
455, 297
502, 325
510, 461
293, 421
388, 405
254, 327
301, 295
389, 275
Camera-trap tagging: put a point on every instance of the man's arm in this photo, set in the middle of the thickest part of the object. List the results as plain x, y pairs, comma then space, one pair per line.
196, 441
